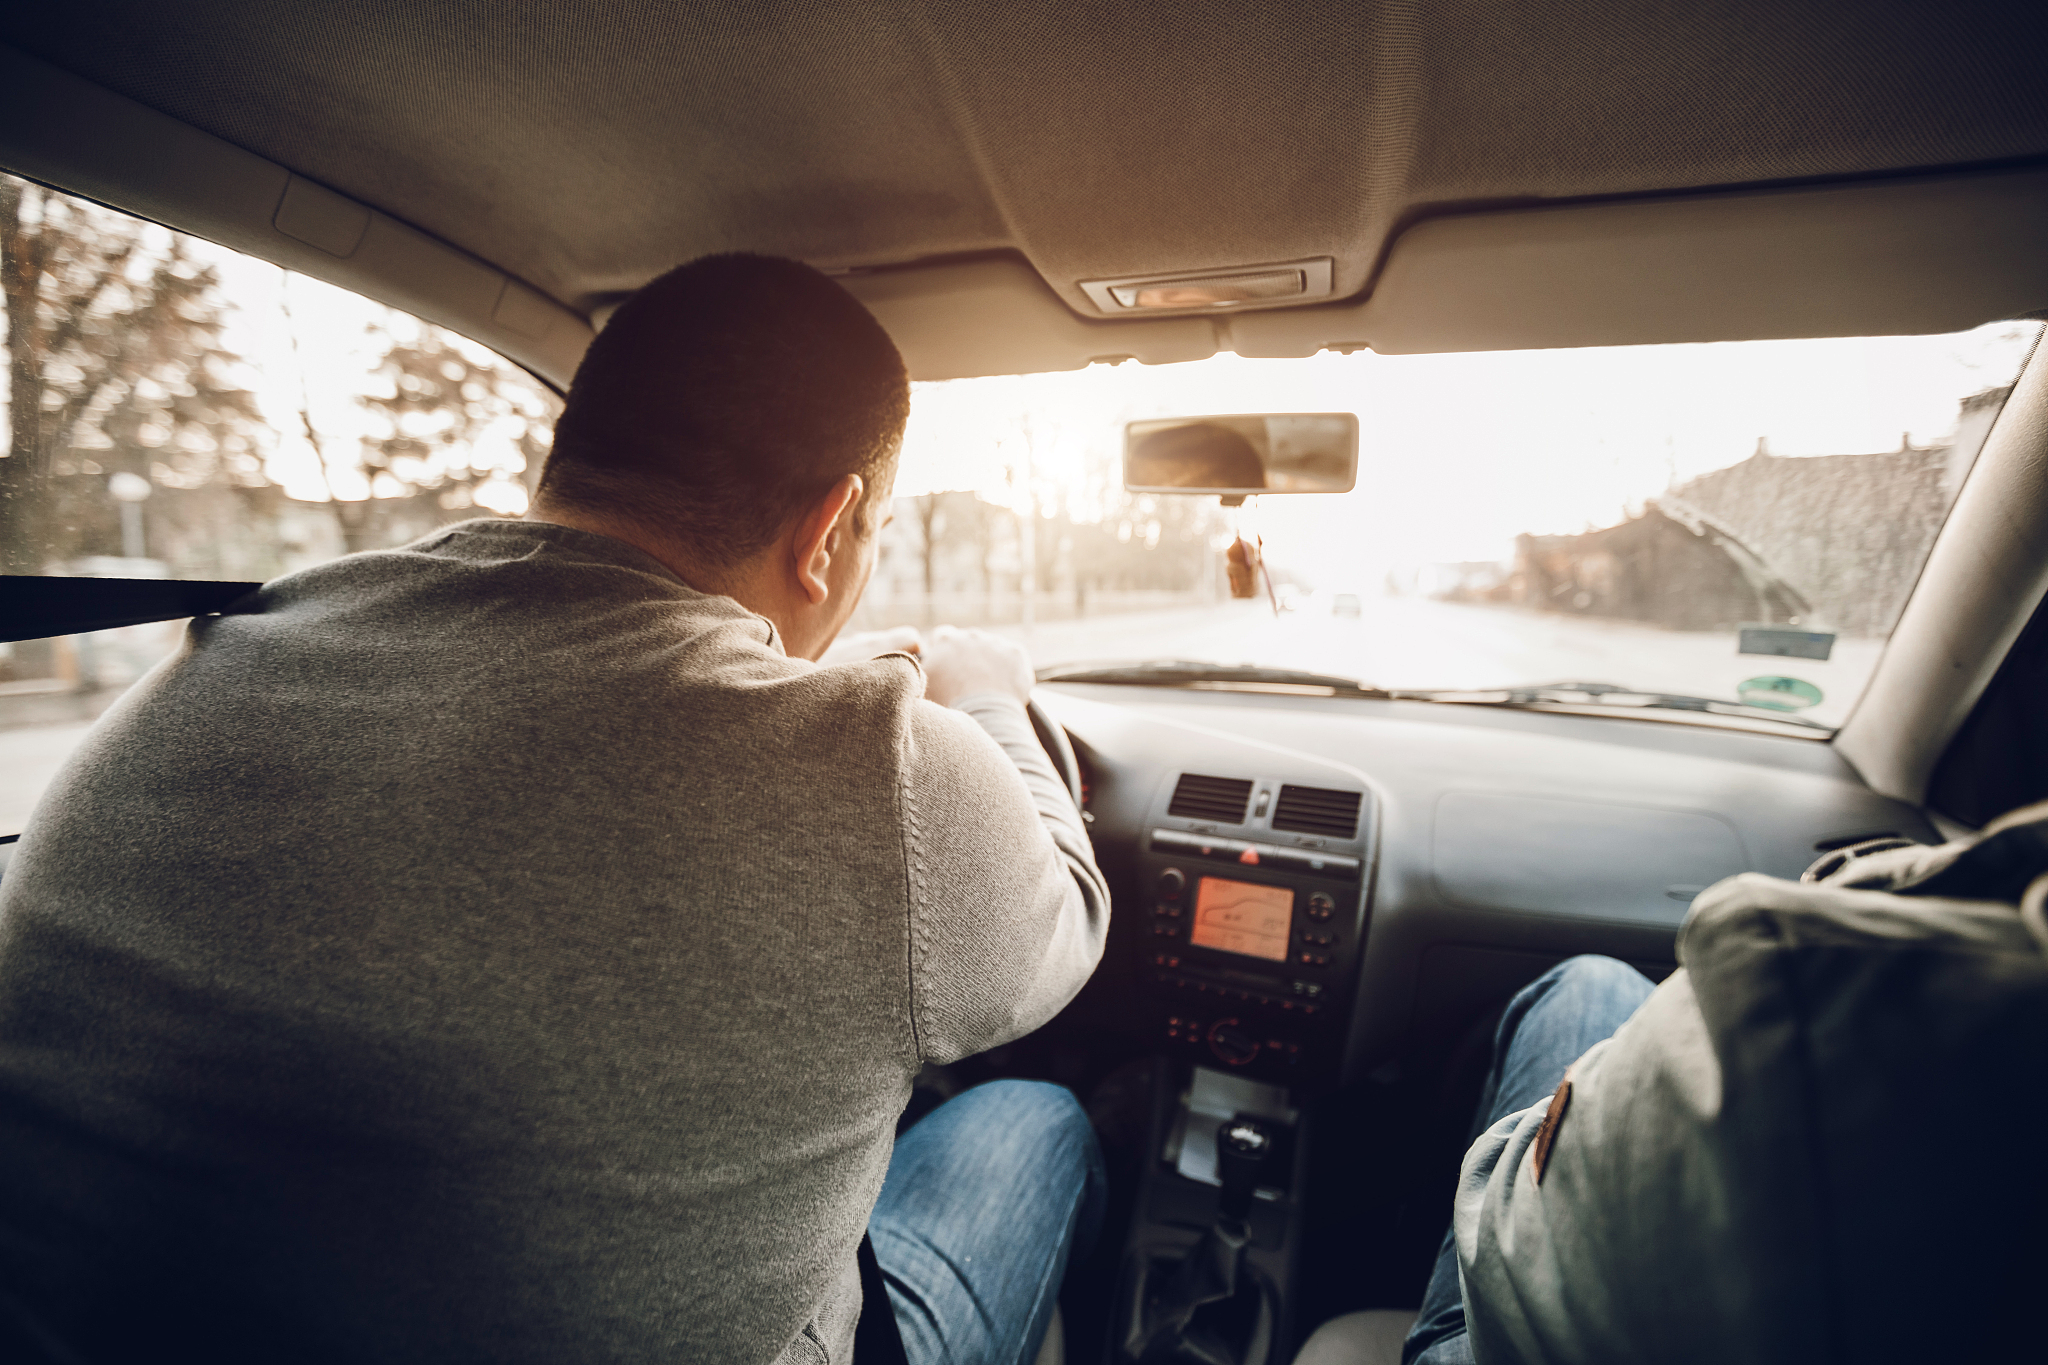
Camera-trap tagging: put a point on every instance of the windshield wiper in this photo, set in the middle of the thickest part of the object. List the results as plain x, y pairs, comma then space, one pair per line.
1604, 694
1190, 673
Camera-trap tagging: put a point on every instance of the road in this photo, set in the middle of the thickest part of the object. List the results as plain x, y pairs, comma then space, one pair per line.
1394, 642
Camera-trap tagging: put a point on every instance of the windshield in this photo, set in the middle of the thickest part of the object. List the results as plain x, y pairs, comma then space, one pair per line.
1739, 522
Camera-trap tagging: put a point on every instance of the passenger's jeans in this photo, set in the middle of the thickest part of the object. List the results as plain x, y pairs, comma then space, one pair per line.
988, 1199
1548, 1025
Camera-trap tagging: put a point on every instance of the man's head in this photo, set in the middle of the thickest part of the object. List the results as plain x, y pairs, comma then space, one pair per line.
740, 418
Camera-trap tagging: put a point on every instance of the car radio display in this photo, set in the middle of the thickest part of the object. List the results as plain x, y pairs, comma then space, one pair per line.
1242, 917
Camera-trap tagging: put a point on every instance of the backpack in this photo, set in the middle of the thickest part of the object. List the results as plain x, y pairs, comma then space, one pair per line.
1816, 1141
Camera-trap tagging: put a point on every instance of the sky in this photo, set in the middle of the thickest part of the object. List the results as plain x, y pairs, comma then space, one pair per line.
1460, 453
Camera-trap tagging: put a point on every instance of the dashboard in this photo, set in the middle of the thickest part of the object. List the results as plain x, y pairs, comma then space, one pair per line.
1305, 885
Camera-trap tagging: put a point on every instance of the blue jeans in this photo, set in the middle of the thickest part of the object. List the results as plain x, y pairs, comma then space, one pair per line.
988, 1199
1549, 1025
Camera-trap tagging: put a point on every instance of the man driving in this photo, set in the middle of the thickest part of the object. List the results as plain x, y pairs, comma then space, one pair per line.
513, 946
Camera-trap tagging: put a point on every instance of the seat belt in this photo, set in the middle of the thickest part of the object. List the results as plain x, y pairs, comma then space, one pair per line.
876, 1339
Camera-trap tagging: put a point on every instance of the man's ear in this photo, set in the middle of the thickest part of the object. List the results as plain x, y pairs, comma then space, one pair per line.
818, 537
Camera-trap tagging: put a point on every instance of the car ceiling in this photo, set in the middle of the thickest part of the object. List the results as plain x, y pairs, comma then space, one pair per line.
586, 145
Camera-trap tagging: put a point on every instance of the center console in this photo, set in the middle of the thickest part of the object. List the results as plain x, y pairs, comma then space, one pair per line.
1258, 892
1209, 1260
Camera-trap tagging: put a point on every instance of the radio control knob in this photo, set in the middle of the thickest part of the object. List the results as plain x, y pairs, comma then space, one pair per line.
1232, 1042
1172, 884
1321, 907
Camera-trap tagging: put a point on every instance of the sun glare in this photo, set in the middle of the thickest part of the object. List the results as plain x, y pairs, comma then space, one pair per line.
1461, 453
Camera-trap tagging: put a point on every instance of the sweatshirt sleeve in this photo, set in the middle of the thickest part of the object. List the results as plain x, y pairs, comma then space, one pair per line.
1008, 910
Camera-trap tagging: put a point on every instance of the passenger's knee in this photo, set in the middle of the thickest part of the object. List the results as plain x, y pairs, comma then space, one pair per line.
1580, 980
1592, 983
1594, 969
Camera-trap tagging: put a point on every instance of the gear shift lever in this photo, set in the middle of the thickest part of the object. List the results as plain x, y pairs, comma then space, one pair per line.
1242, 1147
1172, 1326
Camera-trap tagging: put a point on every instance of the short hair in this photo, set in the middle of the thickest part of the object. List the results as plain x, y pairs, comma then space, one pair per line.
723, 399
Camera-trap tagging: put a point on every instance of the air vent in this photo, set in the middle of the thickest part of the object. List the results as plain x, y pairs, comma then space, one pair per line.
1211, 798
1312, 810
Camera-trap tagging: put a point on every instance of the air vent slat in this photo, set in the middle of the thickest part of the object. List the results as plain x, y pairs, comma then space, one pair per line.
1221, 799
1316, 810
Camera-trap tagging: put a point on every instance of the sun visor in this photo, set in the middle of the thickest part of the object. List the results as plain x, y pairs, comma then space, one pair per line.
1910, 255
1913, 255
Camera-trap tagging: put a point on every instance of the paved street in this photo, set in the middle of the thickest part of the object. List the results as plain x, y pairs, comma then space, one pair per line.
1395, 642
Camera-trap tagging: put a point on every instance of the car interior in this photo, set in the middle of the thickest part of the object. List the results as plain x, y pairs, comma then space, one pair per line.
1024, 188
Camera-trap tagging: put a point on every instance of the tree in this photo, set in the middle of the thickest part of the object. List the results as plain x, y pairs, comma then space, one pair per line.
455, 428
987, 517
930, 520
114, 364
459, 420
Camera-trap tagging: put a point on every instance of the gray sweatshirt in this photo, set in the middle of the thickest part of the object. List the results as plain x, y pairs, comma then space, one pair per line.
495, 949
1813, 1142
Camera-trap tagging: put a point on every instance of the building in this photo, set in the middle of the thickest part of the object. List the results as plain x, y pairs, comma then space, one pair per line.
1832, 542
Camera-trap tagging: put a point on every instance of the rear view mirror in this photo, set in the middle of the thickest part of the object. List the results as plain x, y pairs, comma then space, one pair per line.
1291, 452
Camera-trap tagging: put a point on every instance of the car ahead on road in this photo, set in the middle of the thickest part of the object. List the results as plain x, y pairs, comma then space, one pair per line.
1474, 228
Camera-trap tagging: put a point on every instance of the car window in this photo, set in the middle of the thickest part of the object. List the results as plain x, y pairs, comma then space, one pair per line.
179, 410
1732, 528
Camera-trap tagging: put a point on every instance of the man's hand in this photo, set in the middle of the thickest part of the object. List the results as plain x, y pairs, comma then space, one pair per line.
965, 663
872, 644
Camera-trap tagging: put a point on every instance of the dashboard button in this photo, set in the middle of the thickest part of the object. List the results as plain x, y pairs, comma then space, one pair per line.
1321, 907
1172, 884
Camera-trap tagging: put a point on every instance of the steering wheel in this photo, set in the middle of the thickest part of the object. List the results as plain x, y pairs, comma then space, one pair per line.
1058, 748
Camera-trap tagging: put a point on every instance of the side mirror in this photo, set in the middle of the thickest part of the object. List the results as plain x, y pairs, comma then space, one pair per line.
1239, 456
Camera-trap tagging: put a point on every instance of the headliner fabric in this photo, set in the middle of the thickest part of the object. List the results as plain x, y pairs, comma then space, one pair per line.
586, 146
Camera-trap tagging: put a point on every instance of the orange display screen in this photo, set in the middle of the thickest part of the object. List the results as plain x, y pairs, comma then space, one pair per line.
1242, 917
